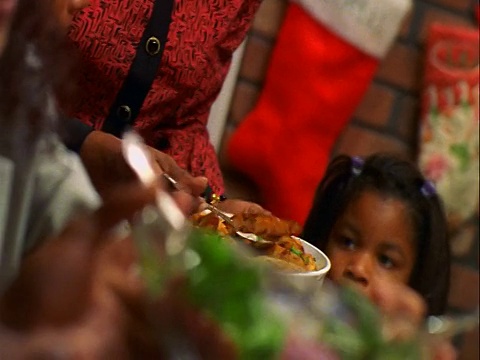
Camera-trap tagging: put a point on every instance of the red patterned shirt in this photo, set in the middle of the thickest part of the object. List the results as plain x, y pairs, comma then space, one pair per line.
202, 37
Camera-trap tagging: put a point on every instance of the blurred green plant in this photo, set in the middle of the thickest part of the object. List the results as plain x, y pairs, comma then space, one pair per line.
230, 289
359, 336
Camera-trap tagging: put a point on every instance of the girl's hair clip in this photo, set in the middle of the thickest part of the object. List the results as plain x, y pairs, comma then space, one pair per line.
428, 189
357, 165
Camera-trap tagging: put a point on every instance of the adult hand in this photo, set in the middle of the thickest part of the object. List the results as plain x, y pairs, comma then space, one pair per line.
64, 301
236, 206
163, 163
102, 156
397, 299
54, 282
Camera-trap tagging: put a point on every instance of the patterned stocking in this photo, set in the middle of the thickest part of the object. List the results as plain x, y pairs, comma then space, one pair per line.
449, 142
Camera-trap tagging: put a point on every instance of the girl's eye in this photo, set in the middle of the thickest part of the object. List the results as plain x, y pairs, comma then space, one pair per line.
386, 261
347, 242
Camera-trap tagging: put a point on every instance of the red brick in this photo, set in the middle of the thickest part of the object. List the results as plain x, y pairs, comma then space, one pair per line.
402, 67
469, 349
375, 106
435, 15
256, 59
244, 99
463, 288
269, 17
359, 141
454, 4
408, 119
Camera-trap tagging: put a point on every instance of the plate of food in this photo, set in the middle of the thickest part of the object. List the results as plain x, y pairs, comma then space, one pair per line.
283, 249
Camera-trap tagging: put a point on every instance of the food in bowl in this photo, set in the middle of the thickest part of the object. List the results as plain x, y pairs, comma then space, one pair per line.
285, 250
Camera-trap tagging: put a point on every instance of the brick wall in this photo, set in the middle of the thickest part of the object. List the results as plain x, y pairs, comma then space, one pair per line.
386, 120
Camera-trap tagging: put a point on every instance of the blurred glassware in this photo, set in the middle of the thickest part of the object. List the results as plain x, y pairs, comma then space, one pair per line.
447, 326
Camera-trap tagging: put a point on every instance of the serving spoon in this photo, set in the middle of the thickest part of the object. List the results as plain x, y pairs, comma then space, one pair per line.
224, 216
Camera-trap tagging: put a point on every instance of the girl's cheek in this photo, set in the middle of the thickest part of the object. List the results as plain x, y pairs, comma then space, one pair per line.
337, 267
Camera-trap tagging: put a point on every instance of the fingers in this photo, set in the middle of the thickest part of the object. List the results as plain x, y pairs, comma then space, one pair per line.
235, 206
186, 202
197, 184
257, 210
194, 185
399, 300
402, 308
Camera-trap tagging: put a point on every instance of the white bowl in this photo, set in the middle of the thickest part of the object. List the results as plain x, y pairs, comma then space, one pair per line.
323, 263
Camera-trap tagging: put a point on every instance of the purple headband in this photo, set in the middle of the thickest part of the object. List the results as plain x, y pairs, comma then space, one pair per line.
427, 189
357, 165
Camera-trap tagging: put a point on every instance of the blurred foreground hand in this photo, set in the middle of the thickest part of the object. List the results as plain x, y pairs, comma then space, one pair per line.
404, 312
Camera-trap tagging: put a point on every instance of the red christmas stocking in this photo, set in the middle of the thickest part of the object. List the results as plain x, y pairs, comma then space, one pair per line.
324, 59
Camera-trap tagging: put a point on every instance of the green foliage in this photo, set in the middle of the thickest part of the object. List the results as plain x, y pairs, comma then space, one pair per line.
230, 290
359, 337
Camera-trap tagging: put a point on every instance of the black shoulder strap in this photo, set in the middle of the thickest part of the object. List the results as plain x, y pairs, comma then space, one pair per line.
142, 72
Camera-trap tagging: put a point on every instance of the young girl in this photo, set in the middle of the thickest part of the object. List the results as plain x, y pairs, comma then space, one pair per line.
378, 219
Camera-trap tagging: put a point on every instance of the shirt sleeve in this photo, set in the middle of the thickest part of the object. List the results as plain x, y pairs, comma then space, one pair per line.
74, 132
62, 190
